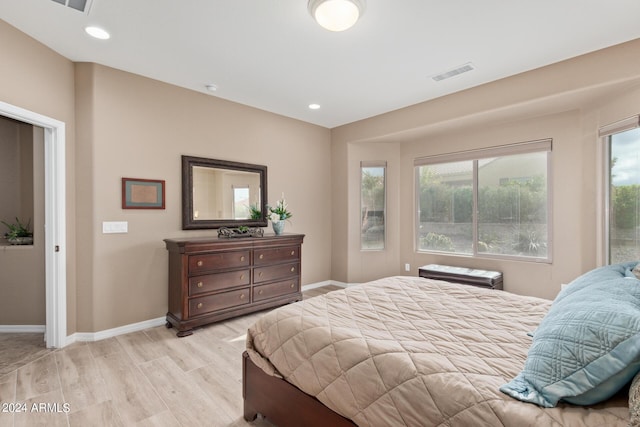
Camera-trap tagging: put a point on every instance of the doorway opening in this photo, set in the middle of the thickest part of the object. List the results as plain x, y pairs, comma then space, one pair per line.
54, 220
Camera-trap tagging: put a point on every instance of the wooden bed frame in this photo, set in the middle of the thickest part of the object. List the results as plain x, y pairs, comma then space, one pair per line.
282, 403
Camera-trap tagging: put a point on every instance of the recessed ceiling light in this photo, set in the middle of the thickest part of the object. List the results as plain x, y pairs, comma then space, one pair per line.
211, 87
98, 33
314, 106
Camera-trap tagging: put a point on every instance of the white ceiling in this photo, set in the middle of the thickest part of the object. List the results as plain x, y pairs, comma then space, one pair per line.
270, 54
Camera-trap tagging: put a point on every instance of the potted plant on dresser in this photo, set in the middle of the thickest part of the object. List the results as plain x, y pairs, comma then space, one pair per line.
19, 233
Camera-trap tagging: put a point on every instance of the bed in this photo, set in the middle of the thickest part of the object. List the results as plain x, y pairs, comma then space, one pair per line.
404, 351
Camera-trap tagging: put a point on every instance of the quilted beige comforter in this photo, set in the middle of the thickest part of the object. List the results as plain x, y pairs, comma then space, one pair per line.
407, 351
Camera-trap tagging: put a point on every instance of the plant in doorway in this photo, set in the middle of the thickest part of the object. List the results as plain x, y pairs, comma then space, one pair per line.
19, 233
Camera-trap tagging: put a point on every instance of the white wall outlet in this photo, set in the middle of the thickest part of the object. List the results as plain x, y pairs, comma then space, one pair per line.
111, 227
407, 267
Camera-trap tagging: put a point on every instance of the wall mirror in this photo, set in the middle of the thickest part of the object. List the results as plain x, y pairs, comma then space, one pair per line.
220, 193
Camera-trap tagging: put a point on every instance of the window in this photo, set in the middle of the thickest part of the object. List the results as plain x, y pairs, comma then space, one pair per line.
445, 207
372, 205
490, 202
623, 190
241, 203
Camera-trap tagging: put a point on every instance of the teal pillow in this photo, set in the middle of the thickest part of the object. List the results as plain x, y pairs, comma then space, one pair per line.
587, 347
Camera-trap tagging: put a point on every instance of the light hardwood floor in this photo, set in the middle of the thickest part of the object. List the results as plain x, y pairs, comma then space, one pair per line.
18, 349
146, 378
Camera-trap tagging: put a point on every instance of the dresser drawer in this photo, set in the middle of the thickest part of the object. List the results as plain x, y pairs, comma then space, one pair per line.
207, 262
271, 255
204, 305
218, 281
274, 272
276, 289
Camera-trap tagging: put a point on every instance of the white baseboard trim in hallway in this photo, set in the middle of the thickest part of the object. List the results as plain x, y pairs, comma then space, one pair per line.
19, 329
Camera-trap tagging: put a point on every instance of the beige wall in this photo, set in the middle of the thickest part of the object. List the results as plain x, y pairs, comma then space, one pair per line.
37, 79
520, 277
568, 102
131, 126
22, 268
137, 127
370, 265
9, 167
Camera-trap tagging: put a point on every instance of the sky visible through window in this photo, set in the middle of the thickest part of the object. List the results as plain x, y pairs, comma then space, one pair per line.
625, 149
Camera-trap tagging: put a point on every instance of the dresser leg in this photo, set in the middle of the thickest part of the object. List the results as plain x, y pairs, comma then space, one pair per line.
186, 333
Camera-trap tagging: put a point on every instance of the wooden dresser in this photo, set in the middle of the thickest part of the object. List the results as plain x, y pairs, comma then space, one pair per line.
212, 279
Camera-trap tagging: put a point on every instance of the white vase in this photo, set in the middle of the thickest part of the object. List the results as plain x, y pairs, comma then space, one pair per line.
278, 227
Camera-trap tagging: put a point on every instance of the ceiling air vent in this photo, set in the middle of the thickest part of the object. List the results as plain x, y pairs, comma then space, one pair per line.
456, 71
80, 5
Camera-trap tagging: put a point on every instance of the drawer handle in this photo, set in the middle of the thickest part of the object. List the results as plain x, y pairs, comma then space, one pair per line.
199, 284
242, 277
260, 274
242, 258
241, 296
260, 292
293, 253
261, 256
199, 263
293, 285
293, 269
199, 305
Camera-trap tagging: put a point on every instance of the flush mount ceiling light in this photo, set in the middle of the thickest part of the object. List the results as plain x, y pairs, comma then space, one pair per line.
98, 33
336, 15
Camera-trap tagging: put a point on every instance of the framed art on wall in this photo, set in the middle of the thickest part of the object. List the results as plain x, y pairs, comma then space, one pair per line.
142, 193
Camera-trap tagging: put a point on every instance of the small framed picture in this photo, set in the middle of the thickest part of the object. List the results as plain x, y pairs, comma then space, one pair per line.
142, 193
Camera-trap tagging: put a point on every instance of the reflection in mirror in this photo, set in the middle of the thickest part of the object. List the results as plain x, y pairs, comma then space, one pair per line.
223, 193
219, 193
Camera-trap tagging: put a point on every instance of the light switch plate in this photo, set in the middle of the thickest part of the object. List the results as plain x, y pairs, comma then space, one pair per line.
110, 227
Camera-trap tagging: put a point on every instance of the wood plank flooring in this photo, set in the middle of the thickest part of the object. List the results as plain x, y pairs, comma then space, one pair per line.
18, 349
142, 379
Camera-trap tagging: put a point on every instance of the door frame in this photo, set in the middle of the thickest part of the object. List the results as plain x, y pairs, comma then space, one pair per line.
55, 226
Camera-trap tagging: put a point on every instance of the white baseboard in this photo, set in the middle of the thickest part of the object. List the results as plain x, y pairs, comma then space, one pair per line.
109, 333
326, 283
134, 327
19, 329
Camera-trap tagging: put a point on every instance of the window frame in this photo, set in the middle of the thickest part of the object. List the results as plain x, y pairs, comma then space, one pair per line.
375, 164
542, 145
605, 133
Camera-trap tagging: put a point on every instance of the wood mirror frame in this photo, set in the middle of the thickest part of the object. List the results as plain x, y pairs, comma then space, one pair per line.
190, 219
